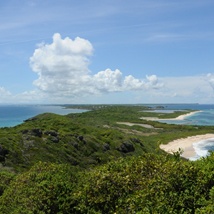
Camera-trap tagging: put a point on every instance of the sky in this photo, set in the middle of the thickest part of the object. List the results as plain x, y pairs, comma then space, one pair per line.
106, 51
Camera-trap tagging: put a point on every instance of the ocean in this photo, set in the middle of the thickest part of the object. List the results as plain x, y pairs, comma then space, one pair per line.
205, 117
12, 115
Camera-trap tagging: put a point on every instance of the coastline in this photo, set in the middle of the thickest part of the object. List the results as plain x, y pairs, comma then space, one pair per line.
183, 116
180, 117
185, 144
13, 115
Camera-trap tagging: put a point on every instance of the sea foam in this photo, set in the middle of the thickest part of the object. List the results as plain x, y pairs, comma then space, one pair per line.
202, 148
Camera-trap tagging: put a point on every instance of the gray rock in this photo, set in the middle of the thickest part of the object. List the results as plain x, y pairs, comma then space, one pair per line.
51, 133
3, 153
106, 147
126, 147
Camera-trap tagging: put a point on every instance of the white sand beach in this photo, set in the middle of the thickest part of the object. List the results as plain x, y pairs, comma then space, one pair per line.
185, 144
181, 117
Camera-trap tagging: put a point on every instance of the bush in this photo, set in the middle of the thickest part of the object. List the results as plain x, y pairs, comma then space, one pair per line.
147, 184
45, 188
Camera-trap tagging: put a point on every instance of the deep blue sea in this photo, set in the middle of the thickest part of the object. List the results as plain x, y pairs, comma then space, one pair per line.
203, 118
12, 115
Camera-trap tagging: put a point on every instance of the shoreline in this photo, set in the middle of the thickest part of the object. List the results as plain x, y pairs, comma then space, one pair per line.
185, 144
183, 116
180, 117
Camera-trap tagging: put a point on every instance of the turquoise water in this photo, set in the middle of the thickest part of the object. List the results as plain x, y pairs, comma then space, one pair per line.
12, 115
202, 118
205, 117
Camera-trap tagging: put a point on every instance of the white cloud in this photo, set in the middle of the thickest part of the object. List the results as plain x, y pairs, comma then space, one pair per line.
185, 89
4, 92
64, 76
62, 67
132, 83
25, 97
5, 95
210, 79
108, 80
62, 57
153, 82
108, 83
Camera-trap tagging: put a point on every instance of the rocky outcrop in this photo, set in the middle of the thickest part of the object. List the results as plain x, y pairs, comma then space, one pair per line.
81, 138
36, 132
31, 119
106, 147
137, 141
3, 153
29, 133
51, 133
126, 147
33, 132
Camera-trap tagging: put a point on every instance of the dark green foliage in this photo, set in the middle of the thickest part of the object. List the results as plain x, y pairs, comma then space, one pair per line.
89, 163
6, 177
79, 139
58, 139
149, 184
45, 188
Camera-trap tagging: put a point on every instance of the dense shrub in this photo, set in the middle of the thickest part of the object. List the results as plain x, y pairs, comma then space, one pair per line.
112, 170
43, 189
148, 184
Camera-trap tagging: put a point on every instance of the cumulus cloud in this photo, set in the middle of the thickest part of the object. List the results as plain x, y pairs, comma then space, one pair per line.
25, 97
4, 92
152, 81
60, 64
113, 81
210, 79
108, 80
186, 89
5, 95
183, 89
62, 69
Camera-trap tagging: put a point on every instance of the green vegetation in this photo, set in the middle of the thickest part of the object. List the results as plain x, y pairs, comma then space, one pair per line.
90, 163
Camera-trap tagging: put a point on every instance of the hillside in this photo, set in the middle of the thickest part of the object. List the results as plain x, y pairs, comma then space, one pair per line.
106, 160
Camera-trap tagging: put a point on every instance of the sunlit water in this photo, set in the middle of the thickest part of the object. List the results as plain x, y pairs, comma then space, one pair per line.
205, 117
12, 115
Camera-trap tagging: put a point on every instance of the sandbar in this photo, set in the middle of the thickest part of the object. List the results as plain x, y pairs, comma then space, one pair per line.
185, 144
181, 117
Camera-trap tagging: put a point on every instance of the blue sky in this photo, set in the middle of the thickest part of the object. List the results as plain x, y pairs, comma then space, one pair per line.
99, 51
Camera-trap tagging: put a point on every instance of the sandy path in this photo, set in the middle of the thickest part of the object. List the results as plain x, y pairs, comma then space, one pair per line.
137, 124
